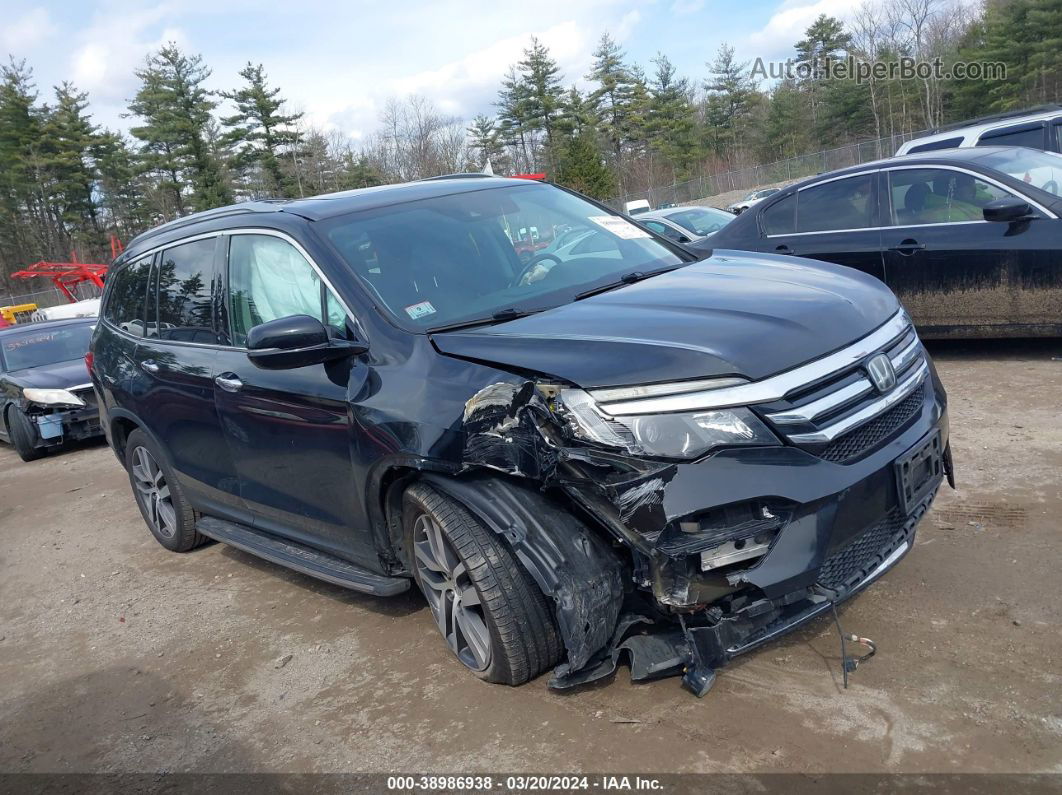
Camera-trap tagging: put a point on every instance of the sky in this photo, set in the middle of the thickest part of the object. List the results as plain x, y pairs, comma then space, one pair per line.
338, 62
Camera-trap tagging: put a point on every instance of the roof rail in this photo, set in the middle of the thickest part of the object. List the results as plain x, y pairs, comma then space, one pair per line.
1009, 114
263, 206
466, 175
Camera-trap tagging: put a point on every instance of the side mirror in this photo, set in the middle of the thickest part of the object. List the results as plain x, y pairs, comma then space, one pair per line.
1008, 210
683, 239
296, 341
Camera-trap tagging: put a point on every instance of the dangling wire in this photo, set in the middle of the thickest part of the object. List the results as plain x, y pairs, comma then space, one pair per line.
851, 663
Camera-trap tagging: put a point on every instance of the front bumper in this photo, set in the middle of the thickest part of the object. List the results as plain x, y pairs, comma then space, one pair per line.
55, 426
846, 526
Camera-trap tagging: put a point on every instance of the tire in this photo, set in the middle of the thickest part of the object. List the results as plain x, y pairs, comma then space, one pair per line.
159, 495
489, 581
23, 437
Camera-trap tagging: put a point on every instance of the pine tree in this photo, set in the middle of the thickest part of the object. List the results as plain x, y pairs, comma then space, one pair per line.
542, 88
176, 111
614, 97
260, 130
514, 118
582, 167
483, 140
671, 123
67, 140
731, 96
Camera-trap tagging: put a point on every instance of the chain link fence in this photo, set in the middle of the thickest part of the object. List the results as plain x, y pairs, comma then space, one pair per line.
51, 296
748, 179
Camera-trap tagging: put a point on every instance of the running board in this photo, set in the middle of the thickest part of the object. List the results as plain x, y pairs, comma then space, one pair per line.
301, 558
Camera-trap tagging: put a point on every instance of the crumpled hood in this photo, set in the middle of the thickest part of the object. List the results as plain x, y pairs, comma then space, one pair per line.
61, 375
734, 313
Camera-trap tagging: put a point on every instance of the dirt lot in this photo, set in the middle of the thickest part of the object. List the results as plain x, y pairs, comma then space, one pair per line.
119, 656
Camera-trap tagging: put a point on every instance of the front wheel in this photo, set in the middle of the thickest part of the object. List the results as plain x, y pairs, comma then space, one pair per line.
23, 436
159, 496
491, 613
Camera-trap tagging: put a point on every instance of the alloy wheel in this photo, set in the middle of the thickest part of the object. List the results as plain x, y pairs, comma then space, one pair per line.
453, 599
154, 493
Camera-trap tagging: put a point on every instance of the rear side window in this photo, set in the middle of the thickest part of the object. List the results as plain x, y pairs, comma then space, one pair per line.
780, 217
1031, 135
836, 205
125, 301
932, 146
185, 276
270, 279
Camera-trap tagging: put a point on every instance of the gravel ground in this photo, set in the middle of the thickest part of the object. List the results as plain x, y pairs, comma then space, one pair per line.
118, 656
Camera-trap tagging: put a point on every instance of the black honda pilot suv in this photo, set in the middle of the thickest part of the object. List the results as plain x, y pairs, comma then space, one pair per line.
580, 455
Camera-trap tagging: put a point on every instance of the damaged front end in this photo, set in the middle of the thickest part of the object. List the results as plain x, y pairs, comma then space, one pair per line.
59, 415
695, 526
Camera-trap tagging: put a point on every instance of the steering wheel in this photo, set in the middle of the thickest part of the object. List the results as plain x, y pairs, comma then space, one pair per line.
1051, 186
530, 266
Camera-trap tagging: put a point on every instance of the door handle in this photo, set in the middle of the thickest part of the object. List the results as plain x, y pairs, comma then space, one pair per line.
783, 249
149, 366
230, 382
908, 247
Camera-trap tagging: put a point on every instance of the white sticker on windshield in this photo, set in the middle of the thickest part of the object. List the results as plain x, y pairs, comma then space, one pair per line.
423, 309
620, 227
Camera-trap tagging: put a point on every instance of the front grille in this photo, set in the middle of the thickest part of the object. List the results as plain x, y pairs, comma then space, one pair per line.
867, 437
850, 565
842, 416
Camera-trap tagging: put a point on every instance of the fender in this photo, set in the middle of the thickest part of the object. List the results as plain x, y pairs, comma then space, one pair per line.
570, 563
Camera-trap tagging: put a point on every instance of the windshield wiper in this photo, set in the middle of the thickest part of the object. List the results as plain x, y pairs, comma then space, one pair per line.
625, 279
498, 317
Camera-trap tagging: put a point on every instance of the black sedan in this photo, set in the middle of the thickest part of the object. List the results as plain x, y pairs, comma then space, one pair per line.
969, 239
46, 396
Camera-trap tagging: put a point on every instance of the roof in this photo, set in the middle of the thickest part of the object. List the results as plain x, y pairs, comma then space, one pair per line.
667, 212
938, 156
327, 205
1030, 114
46, 324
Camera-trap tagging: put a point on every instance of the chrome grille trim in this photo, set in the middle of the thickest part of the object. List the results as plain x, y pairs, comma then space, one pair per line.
868, 412
770, 389
857, 389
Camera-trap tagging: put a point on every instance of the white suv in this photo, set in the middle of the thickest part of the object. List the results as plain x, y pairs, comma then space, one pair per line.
1040, 128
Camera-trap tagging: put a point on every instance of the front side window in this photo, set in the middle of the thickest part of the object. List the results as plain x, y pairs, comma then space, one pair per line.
184, 280
701, 221
1026, 135
125, 299
665, 230
836, 205
269, 279
470, 255
938, 196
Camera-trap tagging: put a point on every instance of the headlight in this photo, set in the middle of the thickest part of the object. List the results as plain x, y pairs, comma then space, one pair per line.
52, 397
686, 435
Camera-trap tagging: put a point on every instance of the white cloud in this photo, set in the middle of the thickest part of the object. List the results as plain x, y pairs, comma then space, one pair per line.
787, 25
627, 24
26, 32
684, 7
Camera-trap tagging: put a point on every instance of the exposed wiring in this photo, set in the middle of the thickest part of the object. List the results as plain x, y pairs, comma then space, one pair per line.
851, 663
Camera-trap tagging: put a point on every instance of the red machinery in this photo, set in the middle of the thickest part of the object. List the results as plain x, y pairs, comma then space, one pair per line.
65, 275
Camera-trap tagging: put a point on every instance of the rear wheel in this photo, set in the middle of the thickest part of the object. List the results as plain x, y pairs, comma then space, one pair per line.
23, 436
159, 496
491, 613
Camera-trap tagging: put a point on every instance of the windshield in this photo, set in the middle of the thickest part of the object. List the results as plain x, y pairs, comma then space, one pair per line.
1042, 170
35, 348
701, 220
467, 256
